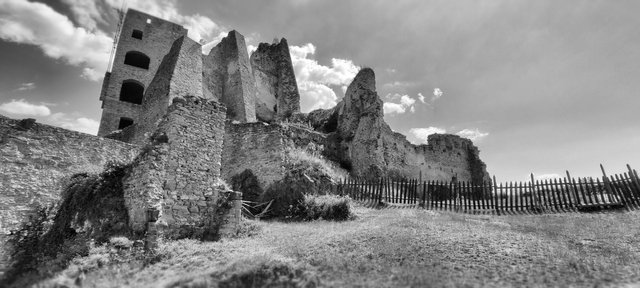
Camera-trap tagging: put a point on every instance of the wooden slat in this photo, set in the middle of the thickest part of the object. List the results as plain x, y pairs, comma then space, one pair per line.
634, 189
625, 190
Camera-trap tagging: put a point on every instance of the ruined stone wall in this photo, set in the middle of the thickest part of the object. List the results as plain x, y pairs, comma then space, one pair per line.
277, 90
34, 158
179, 75
256, 146
262, 147
178, 172
158, 35
229, 78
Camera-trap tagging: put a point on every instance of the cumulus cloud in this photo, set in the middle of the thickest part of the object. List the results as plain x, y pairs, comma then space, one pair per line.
422, 134
391, 108
315, 81
24, 108
549, 176
473, 135
86, 45
200, 27
26, 86
80, 124
37, 24
87, 13
437, 93
421, 97
42, 113
316, 96
406, 103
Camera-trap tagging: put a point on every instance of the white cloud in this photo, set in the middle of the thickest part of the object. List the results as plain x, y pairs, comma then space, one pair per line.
24, 108
390, 108
75, 123
315, 81
473, 135
422, 134
86, 45
421, 97
437, 93
549, 176
26, 86
406, 103
316, 96
200, 27
86, 13
38, 24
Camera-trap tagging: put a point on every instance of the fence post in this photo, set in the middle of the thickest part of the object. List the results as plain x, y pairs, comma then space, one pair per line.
633, 176
424, 193
605, 179
497, 197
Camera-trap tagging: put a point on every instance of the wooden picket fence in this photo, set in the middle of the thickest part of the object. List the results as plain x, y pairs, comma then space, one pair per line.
620, 191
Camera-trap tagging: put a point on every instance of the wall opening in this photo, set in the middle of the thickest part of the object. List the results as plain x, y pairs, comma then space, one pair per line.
131, 91
137, 34
137, 59
124, 123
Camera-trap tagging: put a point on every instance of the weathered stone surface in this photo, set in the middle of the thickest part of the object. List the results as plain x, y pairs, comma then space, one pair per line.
277, 90
179, 75
364, 143
178, 172
261, 148
34, 162
228, 77
157, 39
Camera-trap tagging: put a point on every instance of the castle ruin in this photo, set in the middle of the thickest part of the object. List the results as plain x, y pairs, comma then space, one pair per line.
185, 119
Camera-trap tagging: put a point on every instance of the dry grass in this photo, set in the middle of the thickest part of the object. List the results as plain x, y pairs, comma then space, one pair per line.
410, 247
298, 156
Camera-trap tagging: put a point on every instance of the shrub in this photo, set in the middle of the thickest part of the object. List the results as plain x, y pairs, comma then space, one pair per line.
327, 207
287, 200
247, 183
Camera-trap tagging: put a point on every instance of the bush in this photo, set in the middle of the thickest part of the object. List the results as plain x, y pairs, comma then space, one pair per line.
287, 200
327, 207
247, 183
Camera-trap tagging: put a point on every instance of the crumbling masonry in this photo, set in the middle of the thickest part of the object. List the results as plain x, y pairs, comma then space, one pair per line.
193, 118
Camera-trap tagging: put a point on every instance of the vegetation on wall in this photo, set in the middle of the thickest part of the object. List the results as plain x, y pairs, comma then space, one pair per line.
91, 211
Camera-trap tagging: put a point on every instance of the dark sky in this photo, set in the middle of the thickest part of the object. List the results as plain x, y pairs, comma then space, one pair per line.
540, 86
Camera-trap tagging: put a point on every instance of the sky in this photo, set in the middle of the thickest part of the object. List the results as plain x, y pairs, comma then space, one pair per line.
540, 86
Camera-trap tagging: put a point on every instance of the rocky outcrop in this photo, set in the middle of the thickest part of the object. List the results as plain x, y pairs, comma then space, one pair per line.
277, 90
361, 141
228, 78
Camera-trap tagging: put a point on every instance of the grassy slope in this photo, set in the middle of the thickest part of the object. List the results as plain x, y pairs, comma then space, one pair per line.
418, 248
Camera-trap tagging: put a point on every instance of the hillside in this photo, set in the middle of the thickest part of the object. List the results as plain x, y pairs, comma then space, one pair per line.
396, 248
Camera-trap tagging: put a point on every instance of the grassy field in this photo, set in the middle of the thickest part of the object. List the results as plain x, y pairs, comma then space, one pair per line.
401, 248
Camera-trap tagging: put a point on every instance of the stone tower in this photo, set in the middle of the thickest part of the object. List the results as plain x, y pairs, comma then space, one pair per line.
143, 42
228, 78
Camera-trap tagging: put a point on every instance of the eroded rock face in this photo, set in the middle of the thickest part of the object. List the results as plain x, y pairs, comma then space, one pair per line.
360, 140
277, 95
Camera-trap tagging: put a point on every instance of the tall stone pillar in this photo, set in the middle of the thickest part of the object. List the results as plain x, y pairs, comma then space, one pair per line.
228, 78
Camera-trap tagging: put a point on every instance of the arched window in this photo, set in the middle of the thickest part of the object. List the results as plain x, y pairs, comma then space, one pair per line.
137, 59
124, 123
136, 34
131, 91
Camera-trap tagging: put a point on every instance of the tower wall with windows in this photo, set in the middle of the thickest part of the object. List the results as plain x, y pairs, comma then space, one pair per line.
144, 40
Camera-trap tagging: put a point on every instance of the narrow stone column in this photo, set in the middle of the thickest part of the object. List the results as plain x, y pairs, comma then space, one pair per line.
231, 220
